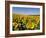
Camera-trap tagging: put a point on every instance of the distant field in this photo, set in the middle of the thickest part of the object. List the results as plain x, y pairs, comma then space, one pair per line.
25, 22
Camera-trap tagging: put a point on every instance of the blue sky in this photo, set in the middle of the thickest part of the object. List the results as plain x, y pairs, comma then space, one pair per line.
24, 10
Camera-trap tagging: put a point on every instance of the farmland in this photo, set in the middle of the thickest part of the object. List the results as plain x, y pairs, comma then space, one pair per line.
25, 22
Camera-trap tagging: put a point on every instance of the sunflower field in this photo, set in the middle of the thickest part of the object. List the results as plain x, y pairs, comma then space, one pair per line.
25, 22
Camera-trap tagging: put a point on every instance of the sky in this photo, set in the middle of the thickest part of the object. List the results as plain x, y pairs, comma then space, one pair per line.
26, 11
